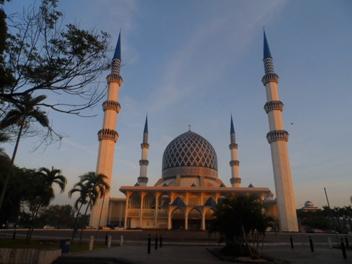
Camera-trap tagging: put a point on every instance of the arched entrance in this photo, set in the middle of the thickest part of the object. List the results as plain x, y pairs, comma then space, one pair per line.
178, 219
194, 219
209, 218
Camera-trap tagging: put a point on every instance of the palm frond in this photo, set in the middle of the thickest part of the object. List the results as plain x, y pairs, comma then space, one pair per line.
11, 118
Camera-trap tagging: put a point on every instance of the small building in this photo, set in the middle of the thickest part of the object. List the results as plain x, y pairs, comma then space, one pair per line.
309, 207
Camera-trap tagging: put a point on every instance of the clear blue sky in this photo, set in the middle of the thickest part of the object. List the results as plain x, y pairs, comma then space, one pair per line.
195, 62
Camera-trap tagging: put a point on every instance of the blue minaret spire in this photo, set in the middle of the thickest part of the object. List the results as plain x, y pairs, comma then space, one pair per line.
232, 132
117, 54
145, 132
266, 51
267, 58
116, 60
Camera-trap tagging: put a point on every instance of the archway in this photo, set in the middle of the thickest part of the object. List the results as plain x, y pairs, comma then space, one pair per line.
178, 219
209, 218
194, 219
135, 201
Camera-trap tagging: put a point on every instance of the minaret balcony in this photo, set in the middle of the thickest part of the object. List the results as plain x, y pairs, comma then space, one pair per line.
234, 163
108, 134
270, 77
145, 146
143, 162
142, 179
235, 180
233, 146
273, 105
114, 78
277, 135
112, 105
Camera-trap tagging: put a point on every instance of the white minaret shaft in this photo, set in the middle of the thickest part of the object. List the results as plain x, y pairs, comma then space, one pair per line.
234, 162
278, 140
143, 163
107, 138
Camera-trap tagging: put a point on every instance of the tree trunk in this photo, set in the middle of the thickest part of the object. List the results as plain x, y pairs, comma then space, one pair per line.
7, 178
34, 216
101, 210
75, 223
85, 214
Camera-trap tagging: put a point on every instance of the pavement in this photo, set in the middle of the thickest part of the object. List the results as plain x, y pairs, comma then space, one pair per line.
165, 255
191, 247
199, 254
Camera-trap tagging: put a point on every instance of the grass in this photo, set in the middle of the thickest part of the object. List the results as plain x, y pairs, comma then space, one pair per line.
46, 244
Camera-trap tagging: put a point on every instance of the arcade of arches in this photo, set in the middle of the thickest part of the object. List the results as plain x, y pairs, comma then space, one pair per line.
158, 208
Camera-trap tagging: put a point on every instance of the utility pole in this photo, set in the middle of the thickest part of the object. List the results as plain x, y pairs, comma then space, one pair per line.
327, 198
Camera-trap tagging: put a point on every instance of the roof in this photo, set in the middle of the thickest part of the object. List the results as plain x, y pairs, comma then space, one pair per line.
198, 189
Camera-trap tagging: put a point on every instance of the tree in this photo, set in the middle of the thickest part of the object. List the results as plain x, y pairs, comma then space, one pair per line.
90, 187
52, 177
58, 216
24, 113
42, 56
242, 223
6, 78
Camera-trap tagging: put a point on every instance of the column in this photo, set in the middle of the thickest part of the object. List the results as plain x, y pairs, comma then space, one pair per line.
203, 218
128, 194
141, 210
157, 195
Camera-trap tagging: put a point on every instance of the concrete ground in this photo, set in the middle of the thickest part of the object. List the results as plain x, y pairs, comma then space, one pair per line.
199, 254
165, 255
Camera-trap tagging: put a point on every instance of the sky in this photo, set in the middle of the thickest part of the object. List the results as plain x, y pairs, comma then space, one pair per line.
199, 61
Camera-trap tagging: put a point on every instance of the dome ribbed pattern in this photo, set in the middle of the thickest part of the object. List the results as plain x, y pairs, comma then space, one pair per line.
189, 150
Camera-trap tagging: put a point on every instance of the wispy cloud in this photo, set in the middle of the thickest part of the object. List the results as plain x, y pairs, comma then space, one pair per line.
202, 58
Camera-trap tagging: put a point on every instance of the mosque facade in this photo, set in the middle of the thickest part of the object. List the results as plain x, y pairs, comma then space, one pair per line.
186, 195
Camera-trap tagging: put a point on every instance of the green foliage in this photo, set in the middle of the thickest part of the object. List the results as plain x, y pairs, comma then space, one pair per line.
337, 219
241, 221
29, 190
43, 55
21, 116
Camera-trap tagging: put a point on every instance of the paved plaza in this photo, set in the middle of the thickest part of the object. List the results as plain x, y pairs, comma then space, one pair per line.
200, 254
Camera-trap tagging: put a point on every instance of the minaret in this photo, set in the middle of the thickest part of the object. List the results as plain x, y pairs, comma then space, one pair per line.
108, 136
143, 163
278, 140
234, 162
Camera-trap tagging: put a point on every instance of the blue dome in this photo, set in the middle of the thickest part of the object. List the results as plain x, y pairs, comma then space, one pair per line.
190, 150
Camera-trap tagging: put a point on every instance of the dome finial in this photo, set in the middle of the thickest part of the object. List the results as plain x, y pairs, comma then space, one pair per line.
189, 127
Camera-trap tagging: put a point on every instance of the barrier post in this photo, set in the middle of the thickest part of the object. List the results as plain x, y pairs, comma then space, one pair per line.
121, 240
311, 244
109, 241
156, 242
291, 242
343, 249
149, 243
91, 243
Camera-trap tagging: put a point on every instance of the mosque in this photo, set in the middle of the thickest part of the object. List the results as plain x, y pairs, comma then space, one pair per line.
189, 189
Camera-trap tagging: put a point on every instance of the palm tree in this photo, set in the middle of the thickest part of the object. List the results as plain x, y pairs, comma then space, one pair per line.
24, 112
82, 199
52, 177
90, 187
